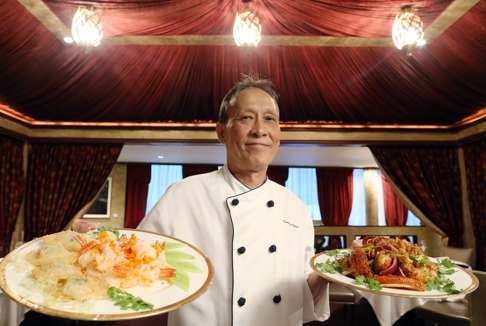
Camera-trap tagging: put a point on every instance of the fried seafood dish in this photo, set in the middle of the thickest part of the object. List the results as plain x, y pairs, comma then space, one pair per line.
393, 262
76, 266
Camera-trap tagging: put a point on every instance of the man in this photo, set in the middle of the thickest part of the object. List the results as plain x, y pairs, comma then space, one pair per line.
258, 235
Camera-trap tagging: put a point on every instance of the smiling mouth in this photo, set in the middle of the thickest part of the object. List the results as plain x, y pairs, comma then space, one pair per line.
258, 145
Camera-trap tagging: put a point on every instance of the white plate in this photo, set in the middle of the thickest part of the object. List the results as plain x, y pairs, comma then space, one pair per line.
463, 280
15, 273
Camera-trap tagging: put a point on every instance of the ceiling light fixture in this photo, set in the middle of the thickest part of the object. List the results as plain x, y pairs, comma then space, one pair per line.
86, 27
247, 29
407, 30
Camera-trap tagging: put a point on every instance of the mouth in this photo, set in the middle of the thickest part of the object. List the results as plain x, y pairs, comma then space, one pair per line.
257, 145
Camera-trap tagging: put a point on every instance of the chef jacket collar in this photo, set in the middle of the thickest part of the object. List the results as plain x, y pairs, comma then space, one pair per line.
236, 185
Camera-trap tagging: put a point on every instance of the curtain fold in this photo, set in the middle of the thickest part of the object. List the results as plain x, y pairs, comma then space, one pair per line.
138, 179
335, 193
395, 210
475, 161
61, 179
429, 177
12, 185
193, 169
358, 85
278, 174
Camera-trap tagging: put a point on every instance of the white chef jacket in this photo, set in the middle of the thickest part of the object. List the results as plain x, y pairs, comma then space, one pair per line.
259, 241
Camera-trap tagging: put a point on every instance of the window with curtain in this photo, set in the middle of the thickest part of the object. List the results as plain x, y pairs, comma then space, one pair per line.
412, 220
358, 210
163, 175
303, 183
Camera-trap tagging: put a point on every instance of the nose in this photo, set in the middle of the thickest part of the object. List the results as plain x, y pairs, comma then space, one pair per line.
259, 129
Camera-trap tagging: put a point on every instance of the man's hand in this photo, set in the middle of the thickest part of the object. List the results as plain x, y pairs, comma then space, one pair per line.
83, 226
316, 285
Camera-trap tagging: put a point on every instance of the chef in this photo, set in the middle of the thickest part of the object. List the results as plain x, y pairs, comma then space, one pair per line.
258, 235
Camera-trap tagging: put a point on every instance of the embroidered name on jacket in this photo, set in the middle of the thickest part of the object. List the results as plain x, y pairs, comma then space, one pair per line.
290, 223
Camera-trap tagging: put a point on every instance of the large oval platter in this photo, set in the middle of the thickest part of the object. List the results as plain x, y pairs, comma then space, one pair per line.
17, 282
463, 280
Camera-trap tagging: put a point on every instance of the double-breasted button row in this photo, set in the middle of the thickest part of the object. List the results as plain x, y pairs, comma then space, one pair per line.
241, 250
235, 202
276, 299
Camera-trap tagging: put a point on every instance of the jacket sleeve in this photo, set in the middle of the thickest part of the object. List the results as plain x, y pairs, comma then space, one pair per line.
313, 310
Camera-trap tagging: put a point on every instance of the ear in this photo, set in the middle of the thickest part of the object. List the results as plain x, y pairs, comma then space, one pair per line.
220, 131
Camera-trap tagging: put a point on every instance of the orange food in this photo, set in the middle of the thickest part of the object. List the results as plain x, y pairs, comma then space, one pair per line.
396, 281
359, 263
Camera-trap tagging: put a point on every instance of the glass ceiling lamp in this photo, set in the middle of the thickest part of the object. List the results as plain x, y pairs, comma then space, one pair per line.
247, 29
86, 27
407, 30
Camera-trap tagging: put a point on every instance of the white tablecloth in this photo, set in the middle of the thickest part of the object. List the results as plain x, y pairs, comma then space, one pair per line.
389, 309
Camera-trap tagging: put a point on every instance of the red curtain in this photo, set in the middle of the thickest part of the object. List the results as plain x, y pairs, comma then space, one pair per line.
395, 210
475, 160
61, 179
335, 193
279, 174
429, 176
193, 169
186, 83
138, 179
11, 188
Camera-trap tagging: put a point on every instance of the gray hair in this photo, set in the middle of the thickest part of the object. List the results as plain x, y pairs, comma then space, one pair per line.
246, 82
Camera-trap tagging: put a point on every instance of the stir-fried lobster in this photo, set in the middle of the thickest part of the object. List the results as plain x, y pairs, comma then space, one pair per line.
393, 262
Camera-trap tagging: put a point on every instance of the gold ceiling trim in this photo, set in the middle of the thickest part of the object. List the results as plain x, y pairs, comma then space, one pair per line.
29, 122
448, 17
267, 40
47, 18
453, 12
326, 133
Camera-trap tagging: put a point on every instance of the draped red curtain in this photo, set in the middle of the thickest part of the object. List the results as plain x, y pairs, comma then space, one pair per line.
395, 210
11, 188
475, 161
429, 176
193, 169
186, 83
138, 179
335, 193
61, 179
279, 174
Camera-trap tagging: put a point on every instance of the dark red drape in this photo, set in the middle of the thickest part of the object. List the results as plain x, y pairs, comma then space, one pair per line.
193, 169
335, 193
429, 176
61, 179
186, 82
395, 210
278, 174
475, 161
11, 188
138, 179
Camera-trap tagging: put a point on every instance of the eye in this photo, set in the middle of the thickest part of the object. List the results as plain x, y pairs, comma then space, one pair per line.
270, 118
246, 117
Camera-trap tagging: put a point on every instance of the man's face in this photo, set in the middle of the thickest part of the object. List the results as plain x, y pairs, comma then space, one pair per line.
252, 134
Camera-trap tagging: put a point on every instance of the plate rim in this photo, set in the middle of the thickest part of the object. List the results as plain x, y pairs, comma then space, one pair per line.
102, 317
474, 283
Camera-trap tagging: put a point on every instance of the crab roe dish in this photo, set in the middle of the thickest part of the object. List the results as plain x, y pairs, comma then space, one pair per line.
76, 266
393, 262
